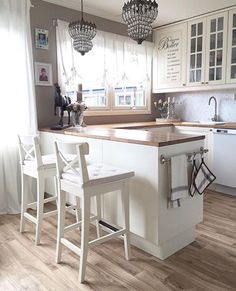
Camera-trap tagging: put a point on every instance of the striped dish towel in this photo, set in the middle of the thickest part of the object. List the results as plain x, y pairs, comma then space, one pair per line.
204, 177
193, 173
178, 180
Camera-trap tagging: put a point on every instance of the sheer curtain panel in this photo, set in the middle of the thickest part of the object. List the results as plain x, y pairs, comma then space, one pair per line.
17, 96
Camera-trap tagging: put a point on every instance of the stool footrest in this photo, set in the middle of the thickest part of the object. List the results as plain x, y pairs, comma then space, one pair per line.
71, 246
30, 217
77, 224
50, 213
106, 238
108, 225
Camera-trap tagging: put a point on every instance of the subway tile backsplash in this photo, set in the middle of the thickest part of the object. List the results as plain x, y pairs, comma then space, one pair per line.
193, 106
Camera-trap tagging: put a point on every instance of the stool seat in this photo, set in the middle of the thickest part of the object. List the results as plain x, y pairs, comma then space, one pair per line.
98, 174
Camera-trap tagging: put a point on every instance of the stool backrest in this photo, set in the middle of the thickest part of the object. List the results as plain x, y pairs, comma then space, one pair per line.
29, 149
78, 164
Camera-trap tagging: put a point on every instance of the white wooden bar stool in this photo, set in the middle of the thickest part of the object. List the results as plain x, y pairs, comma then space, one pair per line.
86, 182
40, 167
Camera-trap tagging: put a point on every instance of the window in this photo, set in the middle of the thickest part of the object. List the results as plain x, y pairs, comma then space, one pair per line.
132, 96
115, 75
95, 97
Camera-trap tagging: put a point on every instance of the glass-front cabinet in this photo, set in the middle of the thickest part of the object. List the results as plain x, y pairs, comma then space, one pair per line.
231, 66
196, 52
216, 48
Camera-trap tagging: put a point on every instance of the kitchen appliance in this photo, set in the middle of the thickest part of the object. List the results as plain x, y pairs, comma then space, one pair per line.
224, 160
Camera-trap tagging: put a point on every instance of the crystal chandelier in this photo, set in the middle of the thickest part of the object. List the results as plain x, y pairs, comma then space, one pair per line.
139, 16
82, 33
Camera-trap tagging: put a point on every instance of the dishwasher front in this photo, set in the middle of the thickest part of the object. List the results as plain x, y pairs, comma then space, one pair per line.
224, 156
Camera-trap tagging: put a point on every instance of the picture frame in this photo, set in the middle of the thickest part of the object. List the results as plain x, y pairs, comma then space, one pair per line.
41, 38
43, 74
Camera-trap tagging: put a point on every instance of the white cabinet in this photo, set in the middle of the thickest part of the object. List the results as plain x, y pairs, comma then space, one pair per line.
224, 158
169, 63
196, 52
216, 48
231, 65
207, 50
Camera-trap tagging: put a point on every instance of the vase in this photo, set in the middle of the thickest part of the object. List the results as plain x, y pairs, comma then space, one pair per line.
164, 115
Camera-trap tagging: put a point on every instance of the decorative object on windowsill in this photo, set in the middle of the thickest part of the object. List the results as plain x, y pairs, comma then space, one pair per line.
139, 16
82, 33
162, 108
166, 109
77, 110
62, 103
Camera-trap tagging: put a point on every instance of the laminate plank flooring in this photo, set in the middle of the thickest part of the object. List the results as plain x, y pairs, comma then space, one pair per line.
209, 263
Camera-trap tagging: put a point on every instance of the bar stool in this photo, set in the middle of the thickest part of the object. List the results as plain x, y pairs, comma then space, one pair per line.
86, 182
40, 167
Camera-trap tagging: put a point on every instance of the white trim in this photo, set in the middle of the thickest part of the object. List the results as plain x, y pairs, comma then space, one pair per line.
196, 88
195, 17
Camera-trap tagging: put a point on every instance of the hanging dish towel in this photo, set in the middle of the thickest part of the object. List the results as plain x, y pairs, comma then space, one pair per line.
193, 173
178, 180
203, 178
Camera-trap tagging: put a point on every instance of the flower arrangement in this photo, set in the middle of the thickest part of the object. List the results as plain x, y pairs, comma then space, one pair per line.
77, 109
162, 107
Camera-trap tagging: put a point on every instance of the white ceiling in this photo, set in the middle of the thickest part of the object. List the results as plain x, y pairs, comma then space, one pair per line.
169, 10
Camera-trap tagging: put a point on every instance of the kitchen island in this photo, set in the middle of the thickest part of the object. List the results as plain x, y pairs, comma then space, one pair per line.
155, 228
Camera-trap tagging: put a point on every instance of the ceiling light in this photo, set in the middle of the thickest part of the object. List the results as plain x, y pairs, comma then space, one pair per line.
82, 33
139, 16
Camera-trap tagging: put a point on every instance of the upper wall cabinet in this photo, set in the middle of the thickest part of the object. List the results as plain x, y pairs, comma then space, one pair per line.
231, 66
207, 50
216, 50
169, 62
196, 52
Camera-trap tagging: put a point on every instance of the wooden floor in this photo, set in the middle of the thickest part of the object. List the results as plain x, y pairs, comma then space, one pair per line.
207, 264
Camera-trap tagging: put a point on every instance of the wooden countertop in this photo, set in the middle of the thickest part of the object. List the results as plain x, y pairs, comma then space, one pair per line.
121, 132
135, 136
158, 139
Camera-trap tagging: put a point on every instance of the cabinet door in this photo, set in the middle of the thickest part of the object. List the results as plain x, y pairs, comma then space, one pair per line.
231, 63
216, 48
196, 52
169, 67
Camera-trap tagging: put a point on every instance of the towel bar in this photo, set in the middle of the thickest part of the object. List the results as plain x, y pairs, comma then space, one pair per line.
202, 151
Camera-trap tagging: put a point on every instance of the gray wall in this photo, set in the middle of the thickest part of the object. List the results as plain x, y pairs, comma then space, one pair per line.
42, 15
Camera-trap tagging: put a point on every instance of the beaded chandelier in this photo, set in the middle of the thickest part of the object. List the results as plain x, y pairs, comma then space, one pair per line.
82, 33
139, 16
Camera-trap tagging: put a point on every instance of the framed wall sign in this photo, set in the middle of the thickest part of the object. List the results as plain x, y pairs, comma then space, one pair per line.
41, 38
43, 74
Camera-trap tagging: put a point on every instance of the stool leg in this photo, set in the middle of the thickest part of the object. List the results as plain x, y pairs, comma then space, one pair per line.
98, 205
77, 210
85, 207
23, 200
56, 191
60, 223
125, 210
40, 206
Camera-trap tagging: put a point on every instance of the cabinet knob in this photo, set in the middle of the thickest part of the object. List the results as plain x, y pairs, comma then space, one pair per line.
207, 83
202, 83
184, 84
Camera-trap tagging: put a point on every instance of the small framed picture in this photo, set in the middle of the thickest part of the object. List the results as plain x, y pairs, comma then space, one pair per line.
43, 74
41, 38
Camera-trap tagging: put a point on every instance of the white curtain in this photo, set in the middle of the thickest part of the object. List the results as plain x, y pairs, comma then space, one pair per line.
17, 96
114, 60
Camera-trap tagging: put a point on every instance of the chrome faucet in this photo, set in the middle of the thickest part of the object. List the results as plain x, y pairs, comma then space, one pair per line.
214, 118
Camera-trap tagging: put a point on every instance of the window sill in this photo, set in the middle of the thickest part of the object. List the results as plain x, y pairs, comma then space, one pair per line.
116, 112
